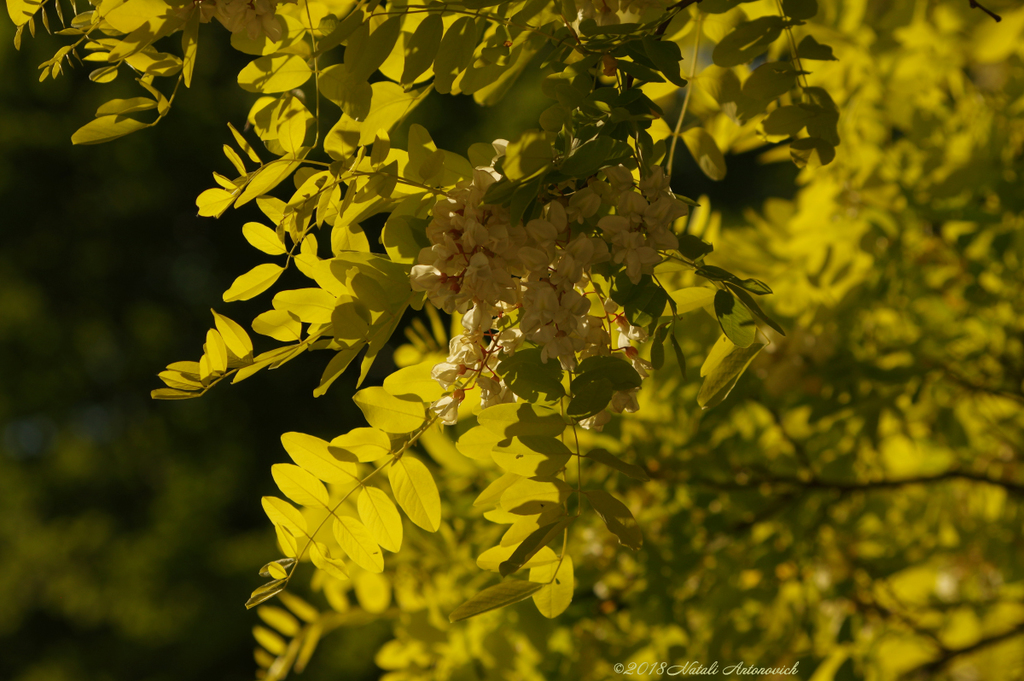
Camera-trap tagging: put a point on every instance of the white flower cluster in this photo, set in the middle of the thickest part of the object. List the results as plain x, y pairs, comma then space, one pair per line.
607, 12
515, 283
254, 17
642, 223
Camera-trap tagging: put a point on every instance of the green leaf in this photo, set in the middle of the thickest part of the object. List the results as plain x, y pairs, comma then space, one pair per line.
367, 51
528, 155
680, 358
770, 80
616, 370
416, 492
274, 73
692, 298
720, 380
119, 107
752, 305
789, 120
705, 152
736, 320
268, 591
616, 517
455, 53
666, 56
591, 156
529, 377
351, 94
658, 346
643, 302
389, 413
812, 151
422, 47
747, 41
718, 274
522, 419
531, 455
532, 497
605, 457
492, 598
106, 128
692, 247
590, 399
800, 9
809, 48
537, 540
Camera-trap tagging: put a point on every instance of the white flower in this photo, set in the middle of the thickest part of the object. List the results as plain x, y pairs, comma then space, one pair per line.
625, 401
464, 350
596, 422
583, 204
493, 392
447, 408
446, 373
619, 178
425, 278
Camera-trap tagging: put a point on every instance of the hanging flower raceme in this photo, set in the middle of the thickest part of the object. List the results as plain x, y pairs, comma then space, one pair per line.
483, 267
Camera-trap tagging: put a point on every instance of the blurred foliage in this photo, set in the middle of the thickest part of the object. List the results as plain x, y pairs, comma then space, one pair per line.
855, 505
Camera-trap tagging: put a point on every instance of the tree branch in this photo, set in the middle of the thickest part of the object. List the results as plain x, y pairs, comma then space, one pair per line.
977, 5
928, 671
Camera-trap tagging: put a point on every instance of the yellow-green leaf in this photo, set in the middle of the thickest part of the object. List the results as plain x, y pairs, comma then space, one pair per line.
282, 513
263, 238
106, 128
365, 444
381, 518
322, 559
617, 518
235, 337
389, 413
496, 555
357, 543
692, 298
558, 580
299, 485
274, 73
278, 324
216, 351
254, 282
722, 379
416, 492
266, 592
494, 597
311, 305
530, 497
705, 152
312, 454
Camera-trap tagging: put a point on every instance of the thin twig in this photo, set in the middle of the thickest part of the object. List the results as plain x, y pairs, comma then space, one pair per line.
686, 99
